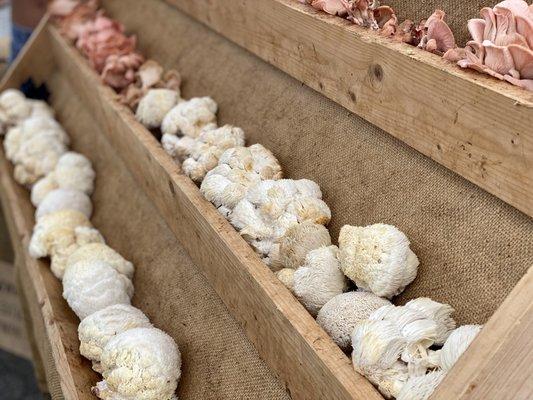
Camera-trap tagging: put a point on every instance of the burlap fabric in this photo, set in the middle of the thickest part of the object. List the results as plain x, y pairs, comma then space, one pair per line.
219, 362
458, 12
473, 247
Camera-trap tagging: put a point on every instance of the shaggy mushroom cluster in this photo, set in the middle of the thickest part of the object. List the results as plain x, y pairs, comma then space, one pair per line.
136, 359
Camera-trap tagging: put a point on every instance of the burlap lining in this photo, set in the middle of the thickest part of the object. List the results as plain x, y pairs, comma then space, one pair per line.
219, 362
473, 247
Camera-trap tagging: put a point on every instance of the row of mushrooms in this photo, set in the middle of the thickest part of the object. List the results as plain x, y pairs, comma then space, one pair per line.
135, 359
405, 351
501, 44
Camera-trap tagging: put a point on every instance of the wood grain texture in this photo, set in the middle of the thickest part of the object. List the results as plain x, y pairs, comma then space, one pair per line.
285, 335
474, 125
499, 363
57, 324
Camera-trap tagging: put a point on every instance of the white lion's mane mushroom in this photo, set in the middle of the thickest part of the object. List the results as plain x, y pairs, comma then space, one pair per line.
438, 312
292, 248
238, 169
319, 279
271, 207
37, 156
98, 328
154, 105
40, 108
14, 104
456, 345
58, 235
339, 316
102, 252
188, 118
376, 348
37, 124
286, 276
140, 363
377, 258
62, 199
73, 171
207, 149
421, 387
90, 286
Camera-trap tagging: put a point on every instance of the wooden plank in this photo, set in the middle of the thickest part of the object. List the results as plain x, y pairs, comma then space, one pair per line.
474, 125
285, 335
499, 363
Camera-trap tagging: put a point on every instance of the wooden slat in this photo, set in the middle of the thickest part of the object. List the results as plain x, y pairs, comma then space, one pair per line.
285, 335
499, 363
57, 323
479, 127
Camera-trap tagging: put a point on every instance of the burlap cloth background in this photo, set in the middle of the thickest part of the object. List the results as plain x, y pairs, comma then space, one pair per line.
473, 247
218, 360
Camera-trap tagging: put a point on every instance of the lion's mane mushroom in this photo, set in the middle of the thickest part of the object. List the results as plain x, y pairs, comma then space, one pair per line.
271, 207
154, 105
377, 258
292, 248
58, 235
140, 363
206, 150
238, 169
339, 316
90, 286
62, 199
37, 156
188, 118
456, 345
14, 104
102, 252
421, 387
377, 346
98, 328
438, 312
319, 279
286, 276
73, 171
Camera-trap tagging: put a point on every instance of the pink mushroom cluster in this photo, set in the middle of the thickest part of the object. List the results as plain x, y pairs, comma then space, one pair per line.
501, 45
110, 51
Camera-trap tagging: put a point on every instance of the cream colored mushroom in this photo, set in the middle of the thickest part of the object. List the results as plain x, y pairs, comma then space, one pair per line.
58, 235
62, 199
300, 239
90, 286
377, 258
438, 312
421, 387
14, 104
102, 252
456, 344
154, 105
188, 118
140, 363
339, 316
286, 276
319, 279
97, 329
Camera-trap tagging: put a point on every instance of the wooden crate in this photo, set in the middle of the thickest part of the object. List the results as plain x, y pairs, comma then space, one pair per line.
497, 365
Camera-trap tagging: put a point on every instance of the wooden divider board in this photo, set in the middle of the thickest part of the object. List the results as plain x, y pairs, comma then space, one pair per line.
284, 333
477, 126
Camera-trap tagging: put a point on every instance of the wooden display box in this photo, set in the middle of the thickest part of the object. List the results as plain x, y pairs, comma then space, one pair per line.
498, 365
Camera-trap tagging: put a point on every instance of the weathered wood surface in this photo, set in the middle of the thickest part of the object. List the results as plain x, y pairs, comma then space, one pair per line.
478, 127
284, 333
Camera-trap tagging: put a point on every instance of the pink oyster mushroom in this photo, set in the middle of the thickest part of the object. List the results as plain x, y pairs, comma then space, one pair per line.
502, 43
437, 36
